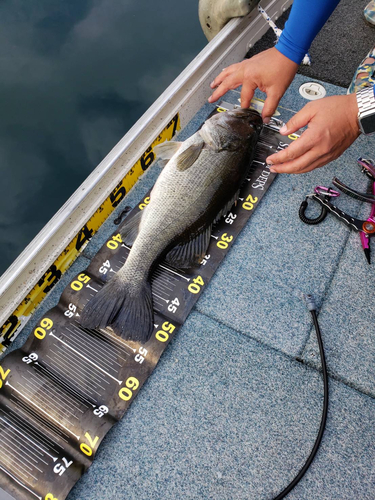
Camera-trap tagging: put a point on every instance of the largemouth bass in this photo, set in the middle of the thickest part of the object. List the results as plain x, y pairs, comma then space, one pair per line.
198, 185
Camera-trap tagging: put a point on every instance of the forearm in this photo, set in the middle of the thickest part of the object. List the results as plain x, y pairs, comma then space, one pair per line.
306, 19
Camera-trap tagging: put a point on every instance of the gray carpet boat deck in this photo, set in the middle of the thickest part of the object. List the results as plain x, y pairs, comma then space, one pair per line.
233, 408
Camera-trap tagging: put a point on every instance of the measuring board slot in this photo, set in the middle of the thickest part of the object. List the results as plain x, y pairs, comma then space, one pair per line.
67, 386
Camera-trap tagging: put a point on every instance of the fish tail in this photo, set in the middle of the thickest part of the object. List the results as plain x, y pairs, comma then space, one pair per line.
126, 308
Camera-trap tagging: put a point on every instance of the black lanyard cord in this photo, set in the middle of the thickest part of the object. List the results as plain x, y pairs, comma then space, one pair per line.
288, 489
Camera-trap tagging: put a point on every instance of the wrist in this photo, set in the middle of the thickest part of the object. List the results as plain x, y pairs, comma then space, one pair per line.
285, 59
352, 110
365, 100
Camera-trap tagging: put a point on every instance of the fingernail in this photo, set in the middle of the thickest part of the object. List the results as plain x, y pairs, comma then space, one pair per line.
209, 99
283, 129
267, 119
273, 170
212, 84
269, 162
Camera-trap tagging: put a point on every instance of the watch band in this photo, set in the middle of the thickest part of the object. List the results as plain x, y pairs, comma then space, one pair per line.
366, 109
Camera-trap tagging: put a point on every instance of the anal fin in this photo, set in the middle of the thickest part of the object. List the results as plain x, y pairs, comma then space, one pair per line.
191, 253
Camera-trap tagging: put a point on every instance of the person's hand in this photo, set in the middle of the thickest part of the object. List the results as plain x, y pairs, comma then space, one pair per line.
270, 71
332, 128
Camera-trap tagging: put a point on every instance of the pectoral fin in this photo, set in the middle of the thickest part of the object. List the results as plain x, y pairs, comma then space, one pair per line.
189, 156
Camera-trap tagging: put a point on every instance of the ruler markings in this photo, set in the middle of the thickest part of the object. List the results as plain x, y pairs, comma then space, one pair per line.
56, 390
45, 441
26, 455
20, 482
165, 274
161, 288
71, 357
174, 272
41, 425
102, 350
101, 341
69, 388
14, 430
109, 337
45, 425
21, 472
87, 359
44, 398
43, 411
85, 385
21, 462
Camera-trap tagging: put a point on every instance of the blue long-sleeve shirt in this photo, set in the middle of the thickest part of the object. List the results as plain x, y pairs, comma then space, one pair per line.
306, 19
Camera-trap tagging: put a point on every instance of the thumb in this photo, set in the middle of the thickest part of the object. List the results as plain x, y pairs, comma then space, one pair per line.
299, 120
270, 105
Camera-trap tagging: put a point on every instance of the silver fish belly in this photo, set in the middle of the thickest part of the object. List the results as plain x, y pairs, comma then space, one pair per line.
198, 185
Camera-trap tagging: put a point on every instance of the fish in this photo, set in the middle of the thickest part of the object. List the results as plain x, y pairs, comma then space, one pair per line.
198, 185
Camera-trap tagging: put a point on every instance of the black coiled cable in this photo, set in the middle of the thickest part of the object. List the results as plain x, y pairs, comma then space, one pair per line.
307, 220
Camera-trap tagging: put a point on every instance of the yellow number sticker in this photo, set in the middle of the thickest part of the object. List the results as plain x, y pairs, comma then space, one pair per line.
49, 496
163, 334
249, 203
143, 205
3, 376
40, 332
195, 286
126, 393
114, 242
87, 449
224, 240
78, 283
293, 137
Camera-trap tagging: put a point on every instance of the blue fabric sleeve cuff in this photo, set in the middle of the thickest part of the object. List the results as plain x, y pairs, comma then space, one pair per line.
289, 49
306, 19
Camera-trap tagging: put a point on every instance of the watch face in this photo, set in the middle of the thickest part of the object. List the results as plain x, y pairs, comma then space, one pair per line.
368, 124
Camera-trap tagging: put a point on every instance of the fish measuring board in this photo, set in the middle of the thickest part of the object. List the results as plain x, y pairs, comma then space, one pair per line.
67, 386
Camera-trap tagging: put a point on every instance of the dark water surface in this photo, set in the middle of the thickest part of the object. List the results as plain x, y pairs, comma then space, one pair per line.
75, 76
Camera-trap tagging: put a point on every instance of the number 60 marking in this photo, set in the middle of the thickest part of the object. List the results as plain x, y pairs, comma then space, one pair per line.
131, 384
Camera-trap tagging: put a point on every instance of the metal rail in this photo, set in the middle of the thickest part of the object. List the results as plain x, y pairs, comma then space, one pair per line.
185, 96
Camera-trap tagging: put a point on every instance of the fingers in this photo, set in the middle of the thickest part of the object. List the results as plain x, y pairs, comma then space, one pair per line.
270, 105
228, 79
299, 120
229, 83
300, 165
247, 93
294, 150
225, 72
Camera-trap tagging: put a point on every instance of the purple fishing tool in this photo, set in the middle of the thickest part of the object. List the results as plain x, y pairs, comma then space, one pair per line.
365, 228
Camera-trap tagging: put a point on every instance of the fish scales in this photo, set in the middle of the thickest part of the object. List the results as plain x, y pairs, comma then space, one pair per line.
202, 176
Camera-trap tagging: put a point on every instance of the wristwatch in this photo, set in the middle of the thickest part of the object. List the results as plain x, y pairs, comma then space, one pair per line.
366, 109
